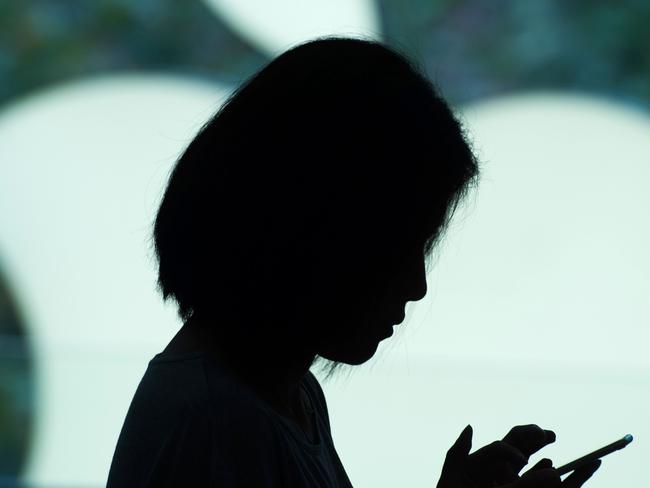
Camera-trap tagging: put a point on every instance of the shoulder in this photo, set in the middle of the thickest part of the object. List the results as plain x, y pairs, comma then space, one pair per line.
189, 423
167, 430
171, 384
172, 397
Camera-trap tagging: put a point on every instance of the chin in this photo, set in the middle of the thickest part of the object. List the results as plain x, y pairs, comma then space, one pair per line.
351, 360
350, 354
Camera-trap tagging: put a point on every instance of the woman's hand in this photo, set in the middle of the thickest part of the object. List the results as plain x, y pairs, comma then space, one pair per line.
497, 464
500, 461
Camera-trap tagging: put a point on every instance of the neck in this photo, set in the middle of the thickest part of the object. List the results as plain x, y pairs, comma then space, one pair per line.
272, 367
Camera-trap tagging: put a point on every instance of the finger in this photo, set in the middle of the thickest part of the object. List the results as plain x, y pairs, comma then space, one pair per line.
542, 464
500, 451
497, 461
541, 475
459, 451
580, 475
453, 468
529, 438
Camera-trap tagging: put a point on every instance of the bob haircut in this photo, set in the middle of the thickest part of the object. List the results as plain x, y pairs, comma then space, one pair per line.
333, 130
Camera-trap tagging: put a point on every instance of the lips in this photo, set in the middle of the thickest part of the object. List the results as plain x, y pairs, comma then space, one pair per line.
400, 317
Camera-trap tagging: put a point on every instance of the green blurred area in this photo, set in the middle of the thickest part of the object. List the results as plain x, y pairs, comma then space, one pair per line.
473, 49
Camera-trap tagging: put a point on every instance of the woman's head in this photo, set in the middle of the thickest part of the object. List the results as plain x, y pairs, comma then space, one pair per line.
305, 209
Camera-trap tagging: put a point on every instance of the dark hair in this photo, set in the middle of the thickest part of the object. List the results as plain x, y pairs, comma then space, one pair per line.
332, 130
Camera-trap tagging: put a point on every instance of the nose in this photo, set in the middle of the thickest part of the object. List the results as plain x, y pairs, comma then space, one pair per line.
413, 285
417, 282
421, 290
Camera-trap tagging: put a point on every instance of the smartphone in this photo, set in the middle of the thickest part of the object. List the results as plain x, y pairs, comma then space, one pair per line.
597, 454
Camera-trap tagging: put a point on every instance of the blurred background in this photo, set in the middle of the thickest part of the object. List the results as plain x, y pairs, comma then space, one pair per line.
537, 310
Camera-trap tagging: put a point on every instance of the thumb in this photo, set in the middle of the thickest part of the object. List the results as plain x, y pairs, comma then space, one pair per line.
453, 468
460, 449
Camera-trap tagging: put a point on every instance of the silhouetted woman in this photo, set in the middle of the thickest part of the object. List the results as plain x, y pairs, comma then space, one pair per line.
295, 227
